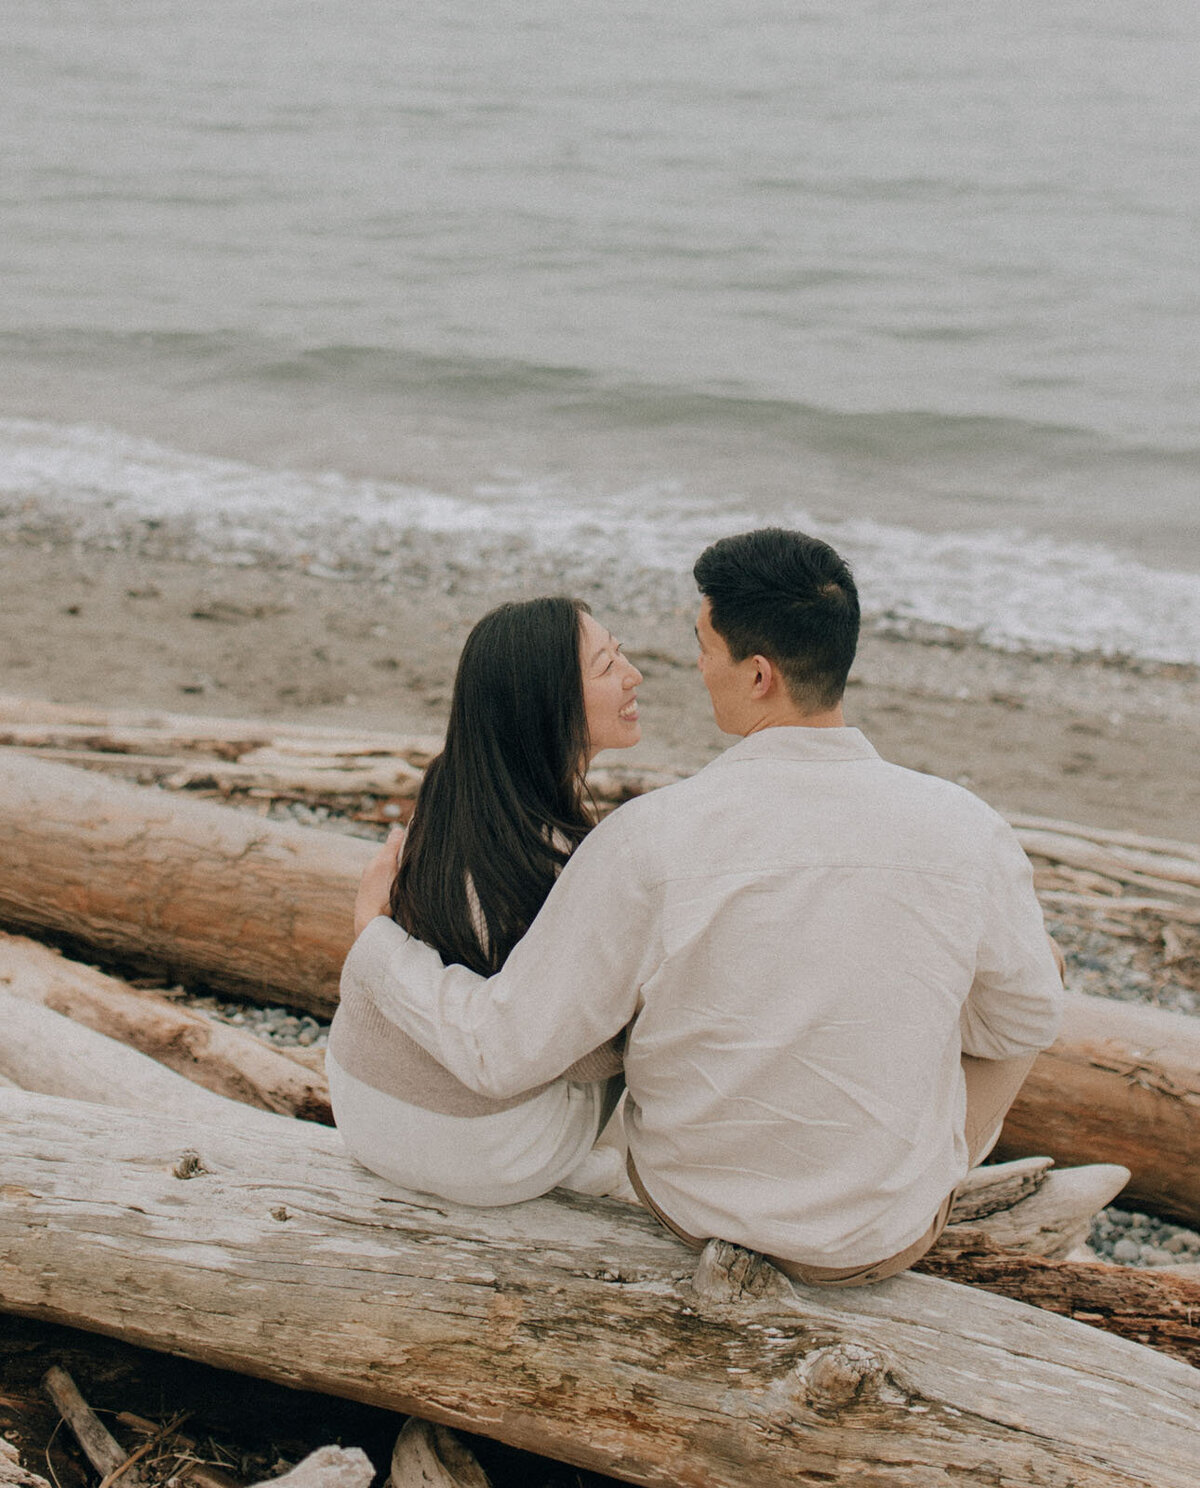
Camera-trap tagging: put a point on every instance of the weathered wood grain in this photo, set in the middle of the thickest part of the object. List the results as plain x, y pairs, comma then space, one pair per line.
12, 1474
259, 908
1056, 1219
45, 1052
1121, 1084
571, 1328
1158, 1306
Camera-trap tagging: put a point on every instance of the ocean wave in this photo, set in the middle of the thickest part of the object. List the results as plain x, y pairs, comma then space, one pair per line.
632, 546
346, 373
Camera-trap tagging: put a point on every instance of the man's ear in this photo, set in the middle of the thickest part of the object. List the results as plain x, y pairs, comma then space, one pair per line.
765, 677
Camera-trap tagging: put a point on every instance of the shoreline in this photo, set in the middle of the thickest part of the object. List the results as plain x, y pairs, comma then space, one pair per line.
1085, 739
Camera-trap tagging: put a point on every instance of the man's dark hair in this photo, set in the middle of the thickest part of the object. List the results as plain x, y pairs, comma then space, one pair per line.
788, 597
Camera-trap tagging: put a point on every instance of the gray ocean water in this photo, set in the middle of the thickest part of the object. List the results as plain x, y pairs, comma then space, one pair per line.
515, 282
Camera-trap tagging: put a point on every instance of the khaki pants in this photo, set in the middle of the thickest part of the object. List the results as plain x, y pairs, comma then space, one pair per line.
992, 1086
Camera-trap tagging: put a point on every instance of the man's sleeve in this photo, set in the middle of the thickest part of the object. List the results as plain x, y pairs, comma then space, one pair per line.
1016, 1001
571, 983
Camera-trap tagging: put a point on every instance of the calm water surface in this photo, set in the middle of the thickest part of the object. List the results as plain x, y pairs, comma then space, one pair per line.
614, 278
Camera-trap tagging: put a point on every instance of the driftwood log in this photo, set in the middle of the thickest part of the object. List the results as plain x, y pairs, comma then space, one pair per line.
1121, 1084
569, 1327
1024, 1207
263, 909
1158, 1306
1119, 876
369, 776
195, 890
225, 1060
45, 1052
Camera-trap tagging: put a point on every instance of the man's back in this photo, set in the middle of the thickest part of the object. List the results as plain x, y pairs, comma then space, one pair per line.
802, 940
794, 1063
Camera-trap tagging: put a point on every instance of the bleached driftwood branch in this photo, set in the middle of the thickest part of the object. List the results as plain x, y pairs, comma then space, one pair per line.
372, 776
223, 1059
100, 1447
45, 1052
429, 1456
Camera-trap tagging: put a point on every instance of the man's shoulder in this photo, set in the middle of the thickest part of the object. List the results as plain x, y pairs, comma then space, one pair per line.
645, 821
946, 810
938, 791
935, 788
658, 801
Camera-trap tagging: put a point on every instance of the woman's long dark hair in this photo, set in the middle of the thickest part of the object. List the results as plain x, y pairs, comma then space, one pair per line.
502, 807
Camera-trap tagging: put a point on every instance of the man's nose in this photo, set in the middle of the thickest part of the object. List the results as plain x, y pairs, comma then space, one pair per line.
632, 676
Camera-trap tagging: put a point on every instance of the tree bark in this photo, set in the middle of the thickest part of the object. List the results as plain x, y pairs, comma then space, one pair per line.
222, 1059
1159, 1306
1120, 1085
189, 888
569, 1327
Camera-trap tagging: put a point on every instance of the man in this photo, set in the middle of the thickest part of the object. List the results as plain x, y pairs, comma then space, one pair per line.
833, 970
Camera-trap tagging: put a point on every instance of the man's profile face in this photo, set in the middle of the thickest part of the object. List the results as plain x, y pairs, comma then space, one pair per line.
722, 675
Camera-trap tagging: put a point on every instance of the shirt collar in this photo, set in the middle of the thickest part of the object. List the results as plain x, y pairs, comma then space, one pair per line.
805, 745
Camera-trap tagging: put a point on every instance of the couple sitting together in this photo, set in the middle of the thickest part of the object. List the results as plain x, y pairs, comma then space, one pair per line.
822, 977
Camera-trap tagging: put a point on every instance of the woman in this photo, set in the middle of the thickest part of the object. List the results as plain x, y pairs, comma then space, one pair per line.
541, 688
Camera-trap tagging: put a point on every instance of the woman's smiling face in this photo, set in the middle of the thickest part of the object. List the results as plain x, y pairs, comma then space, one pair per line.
610, 681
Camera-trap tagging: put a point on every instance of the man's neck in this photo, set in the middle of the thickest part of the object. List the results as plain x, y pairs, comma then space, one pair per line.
792, 717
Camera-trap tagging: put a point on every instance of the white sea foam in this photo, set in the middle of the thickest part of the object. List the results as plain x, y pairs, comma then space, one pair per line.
1013, 590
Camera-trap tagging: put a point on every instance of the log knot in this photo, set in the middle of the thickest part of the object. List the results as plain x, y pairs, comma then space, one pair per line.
729, 1274
836, 1375
190, 1165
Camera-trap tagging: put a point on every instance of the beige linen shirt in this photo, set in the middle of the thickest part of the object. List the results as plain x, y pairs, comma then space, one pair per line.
803, 940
